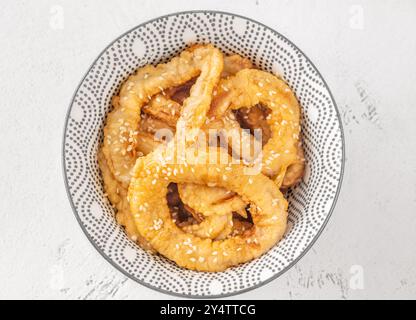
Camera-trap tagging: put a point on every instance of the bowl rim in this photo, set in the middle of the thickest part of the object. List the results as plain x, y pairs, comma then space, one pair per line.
182, 295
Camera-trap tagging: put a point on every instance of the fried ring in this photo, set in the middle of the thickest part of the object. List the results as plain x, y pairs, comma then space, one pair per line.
147, 197
280, 160
119, 132
275, 94
206, 200
250, 87
166, 107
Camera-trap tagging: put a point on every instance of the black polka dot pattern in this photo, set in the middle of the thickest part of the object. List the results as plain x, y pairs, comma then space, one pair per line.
310, 202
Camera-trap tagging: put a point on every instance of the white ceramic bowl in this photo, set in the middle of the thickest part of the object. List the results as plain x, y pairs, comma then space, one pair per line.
310, 203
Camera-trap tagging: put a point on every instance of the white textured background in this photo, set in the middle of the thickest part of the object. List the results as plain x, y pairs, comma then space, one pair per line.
366, 50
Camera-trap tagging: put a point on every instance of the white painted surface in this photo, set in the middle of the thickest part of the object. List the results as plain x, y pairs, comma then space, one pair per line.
365, 50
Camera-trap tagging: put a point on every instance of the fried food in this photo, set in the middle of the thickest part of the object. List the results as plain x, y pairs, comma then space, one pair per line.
146, 143
211, 227
241, 225
121, 136
147, 196
120, 130
233, 64
221, 201
251, 87
255, 118
215, 204
181, 92
166, 107
295, 171
168, 194
152, 125
279, 110
117, 195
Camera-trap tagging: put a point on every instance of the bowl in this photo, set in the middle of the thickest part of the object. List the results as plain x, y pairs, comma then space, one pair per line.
311, 202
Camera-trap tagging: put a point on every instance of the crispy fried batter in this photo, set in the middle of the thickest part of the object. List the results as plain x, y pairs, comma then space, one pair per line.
204, 216
153, 125
216, 206
233, 64
147, 194
119, 132
251, 87
166, 107
220, 201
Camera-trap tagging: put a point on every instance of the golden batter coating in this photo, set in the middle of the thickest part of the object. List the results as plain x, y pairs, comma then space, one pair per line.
121, 128
147, 196
251, 87
230, 214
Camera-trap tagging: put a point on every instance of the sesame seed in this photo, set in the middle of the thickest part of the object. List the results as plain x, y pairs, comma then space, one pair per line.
224, 88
